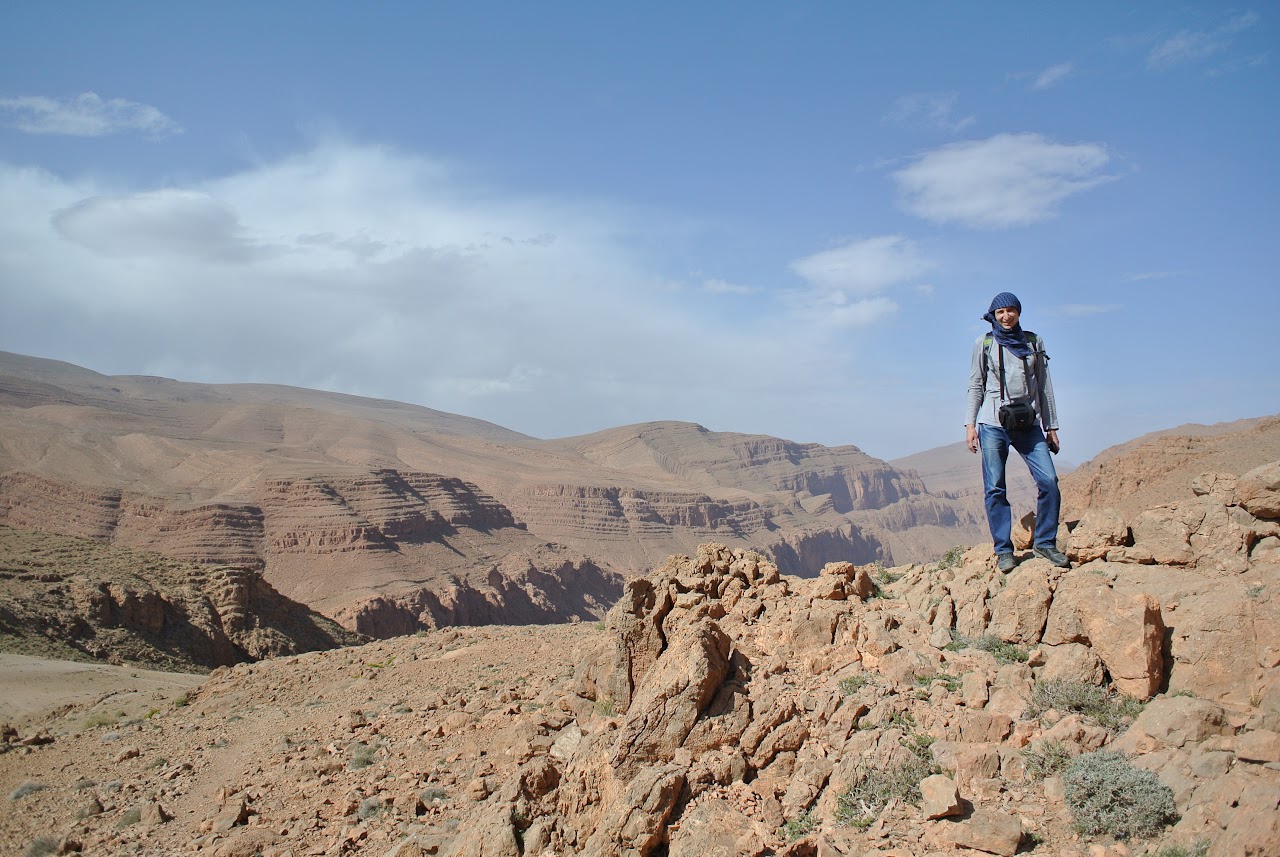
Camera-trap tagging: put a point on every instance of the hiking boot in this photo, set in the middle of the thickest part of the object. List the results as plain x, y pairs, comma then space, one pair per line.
1052, 554
1006, 562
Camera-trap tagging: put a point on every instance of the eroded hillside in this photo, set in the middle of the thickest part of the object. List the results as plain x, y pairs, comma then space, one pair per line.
1128, 705
392, 517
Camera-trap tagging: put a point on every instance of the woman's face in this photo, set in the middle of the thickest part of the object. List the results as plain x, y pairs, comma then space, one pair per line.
1007, 317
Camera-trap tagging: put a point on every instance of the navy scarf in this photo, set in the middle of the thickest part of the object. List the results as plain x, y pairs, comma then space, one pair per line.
1014, 339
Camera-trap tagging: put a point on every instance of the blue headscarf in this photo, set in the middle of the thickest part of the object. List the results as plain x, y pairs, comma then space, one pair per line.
1013, 339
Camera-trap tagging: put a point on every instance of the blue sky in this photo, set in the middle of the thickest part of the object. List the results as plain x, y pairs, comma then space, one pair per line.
562, 217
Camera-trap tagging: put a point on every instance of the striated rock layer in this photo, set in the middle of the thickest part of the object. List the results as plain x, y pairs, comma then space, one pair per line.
365, 508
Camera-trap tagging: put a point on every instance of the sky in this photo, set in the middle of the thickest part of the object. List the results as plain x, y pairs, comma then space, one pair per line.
561, 217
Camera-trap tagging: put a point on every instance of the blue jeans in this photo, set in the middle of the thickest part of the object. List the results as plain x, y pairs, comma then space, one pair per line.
1034, 449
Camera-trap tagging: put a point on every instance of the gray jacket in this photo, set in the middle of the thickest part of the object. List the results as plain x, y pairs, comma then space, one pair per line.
1033, 384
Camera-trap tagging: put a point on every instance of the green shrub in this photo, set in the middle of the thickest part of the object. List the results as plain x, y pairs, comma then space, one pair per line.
950, 682
605, 706
131, 817
1109, 796
952, 558
854, 683
1045, 759
1004, 653
1200, 849
41, 846
103, 718
1108, 709
798, 828
874, 786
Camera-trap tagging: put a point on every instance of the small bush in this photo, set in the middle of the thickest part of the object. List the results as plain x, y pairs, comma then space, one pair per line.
1108, 709
605, 706
1045, 759
1004, 653
362, 756
1200, 849
874, 786
431, 795
951, 558
1109, 796
854, 683
182, 700
798, 828
29, 787
131, 817
950, 682
103, 718
899, 720
41, 846
370, 806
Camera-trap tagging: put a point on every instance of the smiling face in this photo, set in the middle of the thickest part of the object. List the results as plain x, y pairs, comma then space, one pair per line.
1007, 317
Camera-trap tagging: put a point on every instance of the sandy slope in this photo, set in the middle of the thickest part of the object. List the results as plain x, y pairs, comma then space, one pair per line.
35, 689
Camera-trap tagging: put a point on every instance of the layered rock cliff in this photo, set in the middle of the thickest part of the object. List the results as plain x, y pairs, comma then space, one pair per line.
71, 597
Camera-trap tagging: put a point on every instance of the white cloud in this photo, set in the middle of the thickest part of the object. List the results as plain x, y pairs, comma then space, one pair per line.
1052, 76
366, 270
846, 284
1005, 180
1145, 276
931, 109
864, 267
1187, 46
85, 115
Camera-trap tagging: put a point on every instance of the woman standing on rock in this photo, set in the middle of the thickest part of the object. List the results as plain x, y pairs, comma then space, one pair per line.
1010, 402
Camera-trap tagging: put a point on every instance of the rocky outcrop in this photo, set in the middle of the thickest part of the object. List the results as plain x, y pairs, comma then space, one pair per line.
77, 598
725, 678
1161, 468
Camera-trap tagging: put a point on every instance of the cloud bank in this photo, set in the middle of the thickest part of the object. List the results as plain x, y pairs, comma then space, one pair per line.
366, 270
85, 115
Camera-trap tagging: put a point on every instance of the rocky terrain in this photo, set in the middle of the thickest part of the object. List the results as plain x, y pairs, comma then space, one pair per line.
71, 598
1160, 467
391, 517
1129, 705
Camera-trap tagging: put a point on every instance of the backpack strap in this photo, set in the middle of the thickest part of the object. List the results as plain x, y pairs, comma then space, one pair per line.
1036, 351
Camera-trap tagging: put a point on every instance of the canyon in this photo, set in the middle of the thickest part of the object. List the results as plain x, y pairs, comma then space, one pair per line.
391, 517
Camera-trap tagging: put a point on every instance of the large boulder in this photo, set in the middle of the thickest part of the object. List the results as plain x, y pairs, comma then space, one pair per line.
1098, 532
1125, 631
676, 690
1259, 491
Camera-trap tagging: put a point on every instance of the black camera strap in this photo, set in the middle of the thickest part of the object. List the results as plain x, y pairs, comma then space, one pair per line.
1026, 378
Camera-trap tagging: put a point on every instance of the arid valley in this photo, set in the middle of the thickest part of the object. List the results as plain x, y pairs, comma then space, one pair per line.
257, 620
